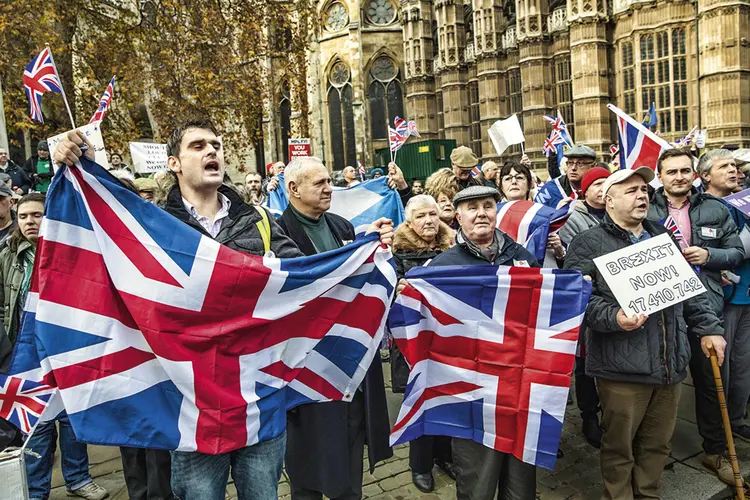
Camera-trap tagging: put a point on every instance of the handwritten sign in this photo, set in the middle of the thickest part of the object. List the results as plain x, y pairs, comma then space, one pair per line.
299, 147
148, 157
93, 133
649, 276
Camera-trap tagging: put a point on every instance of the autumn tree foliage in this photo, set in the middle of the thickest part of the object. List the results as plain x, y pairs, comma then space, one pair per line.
173, 59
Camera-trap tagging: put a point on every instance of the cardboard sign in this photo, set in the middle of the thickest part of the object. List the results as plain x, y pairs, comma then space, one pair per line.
299, 147
505, 133
649, 276
93, 133
741, 201
148, 157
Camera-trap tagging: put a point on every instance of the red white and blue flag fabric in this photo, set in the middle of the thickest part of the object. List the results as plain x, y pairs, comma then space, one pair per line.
673, 228
159, 337
552, 193
101, 110
686, 140
639, 147
413, 129
22, 401
475, 171
401, 126
396, 138
529, 223
491, 350
39, 77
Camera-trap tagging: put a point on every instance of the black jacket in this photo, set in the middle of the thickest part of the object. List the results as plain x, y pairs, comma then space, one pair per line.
317, 454
18, 176
238, 231
656, 353
711, 227
510, 251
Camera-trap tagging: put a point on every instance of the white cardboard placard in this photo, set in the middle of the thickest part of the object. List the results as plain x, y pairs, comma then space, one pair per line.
649, 276
93, 133
148, 157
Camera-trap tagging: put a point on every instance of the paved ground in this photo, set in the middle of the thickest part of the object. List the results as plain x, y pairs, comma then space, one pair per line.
576, 475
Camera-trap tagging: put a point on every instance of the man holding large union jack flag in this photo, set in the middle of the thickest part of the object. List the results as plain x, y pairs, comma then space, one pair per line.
221, 429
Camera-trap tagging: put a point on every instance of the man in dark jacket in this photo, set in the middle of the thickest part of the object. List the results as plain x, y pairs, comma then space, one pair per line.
196, 160
638, 362
16, 173
579, 160
325, 441
480, 470
463, 161
39, 168
711, 243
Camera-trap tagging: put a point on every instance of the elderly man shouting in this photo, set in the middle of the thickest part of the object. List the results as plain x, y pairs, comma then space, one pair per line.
639, 361
325, 441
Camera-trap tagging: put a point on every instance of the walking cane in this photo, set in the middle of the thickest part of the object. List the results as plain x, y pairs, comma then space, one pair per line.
738, 482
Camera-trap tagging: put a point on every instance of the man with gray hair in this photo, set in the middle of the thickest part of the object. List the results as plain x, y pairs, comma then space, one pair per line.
325, 441
710, 242
489, 172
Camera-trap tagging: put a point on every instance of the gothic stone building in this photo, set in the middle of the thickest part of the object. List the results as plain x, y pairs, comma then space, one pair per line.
456, 66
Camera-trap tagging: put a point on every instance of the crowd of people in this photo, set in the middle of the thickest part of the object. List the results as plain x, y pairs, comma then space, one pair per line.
628, 370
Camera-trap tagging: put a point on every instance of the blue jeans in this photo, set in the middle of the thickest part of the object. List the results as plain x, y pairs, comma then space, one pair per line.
256, 471
75, 458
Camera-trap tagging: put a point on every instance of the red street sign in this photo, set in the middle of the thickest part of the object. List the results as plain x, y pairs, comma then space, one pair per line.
299, 147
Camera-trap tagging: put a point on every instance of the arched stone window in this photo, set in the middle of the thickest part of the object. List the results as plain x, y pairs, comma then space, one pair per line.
384, 92
341, 116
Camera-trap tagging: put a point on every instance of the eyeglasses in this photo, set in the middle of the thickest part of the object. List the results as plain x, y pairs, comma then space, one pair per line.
580, 163
519, 178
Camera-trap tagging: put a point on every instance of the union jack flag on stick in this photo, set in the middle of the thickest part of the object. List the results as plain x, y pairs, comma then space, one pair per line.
22, 402
39, 77
491, 351
101, 110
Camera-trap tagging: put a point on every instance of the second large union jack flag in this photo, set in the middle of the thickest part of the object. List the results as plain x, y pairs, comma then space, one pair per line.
491, 351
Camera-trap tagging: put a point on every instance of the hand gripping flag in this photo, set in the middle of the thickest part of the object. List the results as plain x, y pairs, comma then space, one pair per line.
101, 110
39, 77
278, 199
22, 401
639, 147
529, 223
491, 351
160, 337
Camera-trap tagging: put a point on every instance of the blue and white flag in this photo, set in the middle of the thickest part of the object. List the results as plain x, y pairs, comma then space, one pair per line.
278, 199
366, 202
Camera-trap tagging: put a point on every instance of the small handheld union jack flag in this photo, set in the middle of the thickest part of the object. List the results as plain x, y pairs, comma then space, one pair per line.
476, 171
401, 126
22, 402
104, 102
413, 129
362, 171
396, 139
39, 77
673, 228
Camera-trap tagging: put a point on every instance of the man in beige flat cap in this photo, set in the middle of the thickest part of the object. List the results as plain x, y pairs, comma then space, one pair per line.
463, 160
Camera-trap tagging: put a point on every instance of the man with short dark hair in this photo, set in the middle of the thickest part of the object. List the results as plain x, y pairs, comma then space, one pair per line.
639, 362
416, 187
17, 175
39, 168
200, 200
710, 242
325, 441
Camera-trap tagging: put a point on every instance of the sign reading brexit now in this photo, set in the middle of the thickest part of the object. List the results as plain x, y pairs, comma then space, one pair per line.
649, 276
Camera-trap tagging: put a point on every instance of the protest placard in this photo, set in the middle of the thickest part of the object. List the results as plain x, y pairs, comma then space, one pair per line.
649, 276
740, 200
299, 147
93, 133
148, 157
505, 133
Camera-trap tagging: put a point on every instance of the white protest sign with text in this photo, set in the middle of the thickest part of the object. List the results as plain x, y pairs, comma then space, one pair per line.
148, 157
649, 276
93, 133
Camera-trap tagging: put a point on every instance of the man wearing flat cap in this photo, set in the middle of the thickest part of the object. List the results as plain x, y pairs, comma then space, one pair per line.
463, 160
579, 160
482, 470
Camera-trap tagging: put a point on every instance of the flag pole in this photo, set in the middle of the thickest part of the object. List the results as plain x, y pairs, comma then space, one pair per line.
62, 90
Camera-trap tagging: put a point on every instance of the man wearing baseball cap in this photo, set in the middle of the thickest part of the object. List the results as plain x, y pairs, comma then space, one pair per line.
579, 158
463, 161
639, 362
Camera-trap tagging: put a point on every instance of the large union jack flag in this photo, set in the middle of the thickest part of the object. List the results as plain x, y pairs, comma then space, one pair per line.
160, 337
529, 223
22, 402
39, 77
491, 351
101, 110
639, 147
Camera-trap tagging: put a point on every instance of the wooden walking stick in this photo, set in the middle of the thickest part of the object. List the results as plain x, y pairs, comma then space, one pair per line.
738, 482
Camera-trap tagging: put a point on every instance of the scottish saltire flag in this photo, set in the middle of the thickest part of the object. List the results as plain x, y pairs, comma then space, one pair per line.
366, 202
529, 223
552, 192
101, 110
157, 336
278, 199
491, 351
639, 147
22, 401
40, 76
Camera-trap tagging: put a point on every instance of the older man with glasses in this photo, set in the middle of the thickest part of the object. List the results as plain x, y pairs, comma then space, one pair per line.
579, 160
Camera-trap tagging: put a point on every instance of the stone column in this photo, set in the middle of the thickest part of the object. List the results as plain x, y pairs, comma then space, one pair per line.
724, 77
591, 72
453, 74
